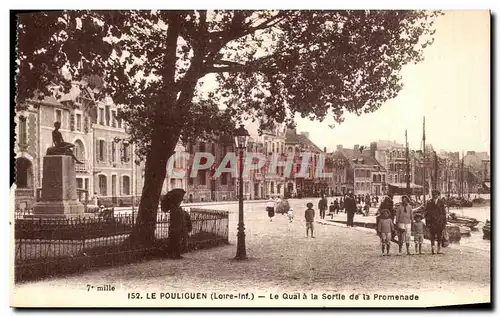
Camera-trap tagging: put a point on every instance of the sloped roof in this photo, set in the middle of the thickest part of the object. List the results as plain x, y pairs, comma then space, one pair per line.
292, 137
364, 156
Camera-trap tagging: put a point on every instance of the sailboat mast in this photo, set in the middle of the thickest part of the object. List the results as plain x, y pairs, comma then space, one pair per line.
408, 192
423, 162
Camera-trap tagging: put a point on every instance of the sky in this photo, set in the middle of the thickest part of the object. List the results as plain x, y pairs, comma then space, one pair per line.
451, 88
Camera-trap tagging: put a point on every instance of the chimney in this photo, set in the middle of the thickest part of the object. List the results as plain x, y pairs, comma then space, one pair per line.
356, 148
324, 149
373, 149
339, 147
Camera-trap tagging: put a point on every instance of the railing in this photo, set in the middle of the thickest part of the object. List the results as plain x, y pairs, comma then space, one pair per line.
50, 246
82, 168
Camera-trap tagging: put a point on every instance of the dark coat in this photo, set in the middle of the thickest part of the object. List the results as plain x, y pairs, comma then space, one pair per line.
323, 204
435, 214
350, 205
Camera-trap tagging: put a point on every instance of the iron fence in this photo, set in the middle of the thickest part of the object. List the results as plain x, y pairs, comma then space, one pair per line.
51, 246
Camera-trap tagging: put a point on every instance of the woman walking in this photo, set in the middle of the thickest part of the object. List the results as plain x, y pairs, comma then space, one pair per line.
270, 205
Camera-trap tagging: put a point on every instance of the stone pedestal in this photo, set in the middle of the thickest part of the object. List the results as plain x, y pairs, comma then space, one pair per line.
59, 198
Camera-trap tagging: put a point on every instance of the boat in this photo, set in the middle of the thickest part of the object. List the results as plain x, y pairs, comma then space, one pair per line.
487, 230
465, 231
463, 220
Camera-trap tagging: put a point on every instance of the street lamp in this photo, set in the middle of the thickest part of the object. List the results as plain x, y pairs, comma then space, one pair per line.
240, 140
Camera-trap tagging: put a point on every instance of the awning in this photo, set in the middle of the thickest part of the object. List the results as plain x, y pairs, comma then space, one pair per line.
403, 185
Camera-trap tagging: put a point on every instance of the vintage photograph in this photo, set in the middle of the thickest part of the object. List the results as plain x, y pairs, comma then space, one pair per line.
242, 158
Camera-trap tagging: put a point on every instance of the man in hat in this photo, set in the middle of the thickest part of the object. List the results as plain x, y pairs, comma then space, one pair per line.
350, 208
404, 220
435, 219
180, 222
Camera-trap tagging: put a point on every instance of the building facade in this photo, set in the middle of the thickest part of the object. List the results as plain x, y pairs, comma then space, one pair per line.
100, 140
363, 173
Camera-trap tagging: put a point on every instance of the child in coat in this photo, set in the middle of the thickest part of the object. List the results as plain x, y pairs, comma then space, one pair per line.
385, 228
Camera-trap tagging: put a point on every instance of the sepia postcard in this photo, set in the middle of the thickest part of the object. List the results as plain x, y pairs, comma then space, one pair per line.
241, 158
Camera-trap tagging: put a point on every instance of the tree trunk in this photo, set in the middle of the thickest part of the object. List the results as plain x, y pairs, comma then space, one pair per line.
162, 147
165, 135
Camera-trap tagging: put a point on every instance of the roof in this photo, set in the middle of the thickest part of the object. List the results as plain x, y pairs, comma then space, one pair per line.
292, 137
351, 155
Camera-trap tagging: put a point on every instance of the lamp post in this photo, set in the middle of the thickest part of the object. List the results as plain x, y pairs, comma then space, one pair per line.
240, 140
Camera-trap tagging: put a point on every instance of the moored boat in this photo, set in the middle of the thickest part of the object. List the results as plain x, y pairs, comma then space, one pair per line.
487, 230
463, 220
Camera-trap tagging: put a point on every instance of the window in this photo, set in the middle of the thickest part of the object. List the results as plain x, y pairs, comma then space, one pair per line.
59, 116
78, 122
79, 150
126, 152
103, 185
113, 119
24, 173
23, 131
113, 151
203, 177
101, 116
102, 150
374, 177
108, 115
126, 185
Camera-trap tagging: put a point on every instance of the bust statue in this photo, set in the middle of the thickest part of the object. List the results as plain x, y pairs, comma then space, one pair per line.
60, 147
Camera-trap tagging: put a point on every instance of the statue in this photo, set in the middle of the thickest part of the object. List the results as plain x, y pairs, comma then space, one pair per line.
60, 147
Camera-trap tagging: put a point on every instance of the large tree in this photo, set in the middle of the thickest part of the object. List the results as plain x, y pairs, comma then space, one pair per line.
174, 70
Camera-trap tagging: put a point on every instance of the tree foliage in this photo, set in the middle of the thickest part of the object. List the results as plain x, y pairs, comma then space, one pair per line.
188, 74
268, 65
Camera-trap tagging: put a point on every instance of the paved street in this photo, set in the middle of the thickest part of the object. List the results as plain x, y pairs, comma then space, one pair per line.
281, 259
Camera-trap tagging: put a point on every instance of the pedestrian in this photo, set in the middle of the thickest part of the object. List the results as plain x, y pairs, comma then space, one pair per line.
388, 203
366, 210
350, 208
270, 205
322, 206
309, 215
331, 210
418, 233
290, 214
341, 204
336, 206
179, 223
385, 227
404, 220
435, 219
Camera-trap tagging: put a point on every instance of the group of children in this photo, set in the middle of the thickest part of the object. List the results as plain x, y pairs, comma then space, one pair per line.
386, 228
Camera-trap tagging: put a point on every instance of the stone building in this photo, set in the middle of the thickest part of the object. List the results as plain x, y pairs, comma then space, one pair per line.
100, 142
363, 173
310, 184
